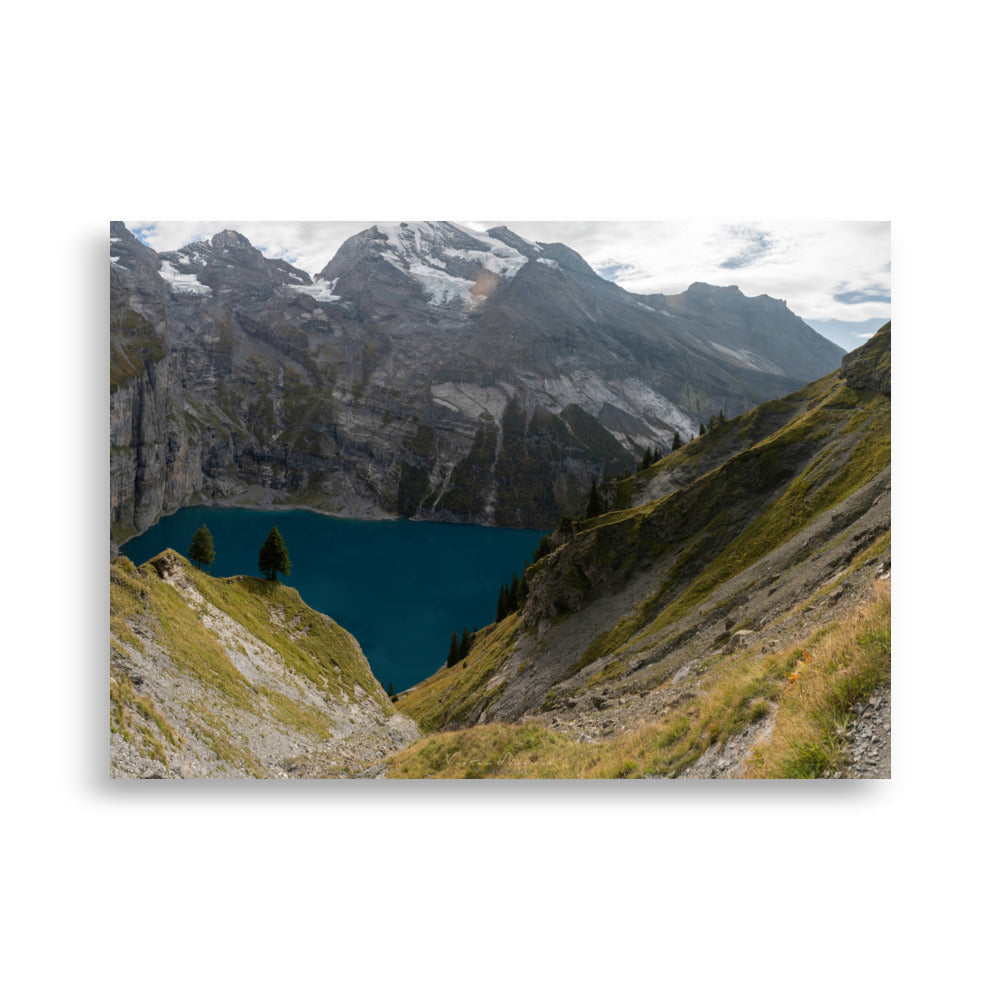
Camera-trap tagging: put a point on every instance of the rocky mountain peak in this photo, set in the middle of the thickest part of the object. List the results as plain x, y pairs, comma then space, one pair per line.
702, 289
567, 259
518, 243
447, 265
230, 238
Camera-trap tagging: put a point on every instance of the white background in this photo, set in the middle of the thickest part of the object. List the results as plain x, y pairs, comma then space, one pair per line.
523, 110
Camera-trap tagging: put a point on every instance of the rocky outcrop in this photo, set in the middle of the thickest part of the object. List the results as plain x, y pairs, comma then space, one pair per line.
867, 369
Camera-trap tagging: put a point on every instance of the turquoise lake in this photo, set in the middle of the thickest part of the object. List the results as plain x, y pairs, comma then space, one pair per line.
400, 587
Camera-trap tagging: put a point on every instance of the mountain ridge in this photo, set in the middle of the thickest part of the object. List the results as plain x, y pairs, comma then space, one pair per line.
241, 379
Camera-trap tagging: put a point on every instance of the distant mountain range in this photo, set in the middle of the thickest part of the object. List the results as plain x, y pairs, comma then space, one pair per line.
427, 371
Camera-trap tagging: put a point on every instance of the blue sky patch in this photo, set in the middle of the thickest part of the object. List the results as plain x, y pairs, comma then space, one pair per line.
758, 244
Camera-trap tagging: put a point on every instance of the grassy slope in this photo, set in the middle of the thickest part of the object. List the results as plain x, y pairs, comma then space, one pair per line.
808, 688
463, 691
317, 652
800, 456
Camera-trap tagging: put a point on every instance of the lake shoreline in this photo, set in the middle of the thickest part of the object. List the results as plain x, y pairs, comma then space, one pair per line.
379, 515
400, 586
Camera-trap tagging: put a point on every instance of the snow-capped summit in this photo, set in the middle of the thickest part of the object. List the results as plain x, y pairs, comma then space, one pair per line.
451, 265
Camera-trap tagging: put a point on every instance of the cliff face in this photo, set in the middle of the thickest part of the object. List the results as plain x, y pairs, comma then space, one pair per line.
769, 524
427, 371
237, 678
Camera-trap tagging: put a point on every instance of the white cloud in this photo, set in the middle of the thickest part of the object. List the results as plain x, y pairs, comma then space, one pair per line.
805, 263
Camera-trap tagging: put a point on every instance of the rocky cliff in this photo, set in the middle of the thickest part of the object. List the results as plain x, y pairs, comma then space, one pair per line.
427, 370
221, 678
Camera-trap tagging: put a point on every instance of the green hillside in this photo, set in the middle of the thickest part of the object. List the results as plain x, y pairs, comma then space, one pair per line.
762, 531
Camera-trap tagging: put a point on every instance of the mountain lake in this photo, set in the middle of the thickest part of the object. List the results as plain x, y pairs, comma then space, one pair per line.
400, 587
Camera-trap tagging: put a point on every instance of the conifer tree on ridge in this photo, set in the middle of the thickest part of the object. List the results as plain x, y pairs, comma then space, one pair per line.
273, 556
201, 550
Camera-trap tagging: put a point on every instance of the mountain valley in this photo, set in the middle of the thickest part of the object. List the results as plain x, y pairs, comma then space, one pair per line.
712, 600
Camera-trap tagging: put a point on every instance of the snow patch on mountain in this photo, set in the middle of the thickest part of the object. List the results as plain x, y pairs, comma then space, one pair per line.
441, 286
506, 265
183, 284
320, 289
439, 255
659, 312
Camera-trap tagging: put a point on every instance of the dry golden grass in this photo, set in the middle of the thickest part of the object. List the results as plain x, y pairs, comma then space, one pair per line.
808, 688
840, 667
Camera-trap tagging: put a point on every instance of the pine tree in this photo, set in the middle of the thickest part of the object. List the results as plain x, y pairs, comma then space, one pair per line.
701, 429
677, 441
391, 692
647, 459
465, 645
273, 556
502, 603
522, 591
453, 650
202, 551
594, 506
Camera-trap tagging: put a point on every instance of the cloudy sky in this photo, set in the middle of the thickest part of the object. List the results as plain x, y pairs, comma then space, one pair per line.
835, 275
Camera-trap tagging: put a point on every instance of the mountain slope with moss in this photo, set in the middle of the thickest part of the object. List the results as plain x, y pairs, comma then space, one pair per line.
725, 557
237, 677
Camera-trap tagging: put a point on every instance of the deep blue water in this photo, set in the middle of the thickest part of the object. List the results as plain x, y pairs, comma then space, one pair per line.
400, 587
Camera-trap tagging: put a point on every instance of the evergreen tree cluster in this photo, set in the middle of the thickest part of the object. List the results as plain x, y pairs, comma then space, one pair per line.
460, 648
512, 596
595, 502
271, 560
716, 420
650, 457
